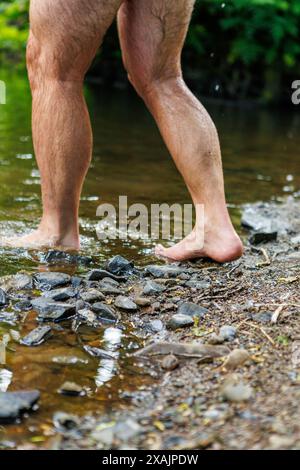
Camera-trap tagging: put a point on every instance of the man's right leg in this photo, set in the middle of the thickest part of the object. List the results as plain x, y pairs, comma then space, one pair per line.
64, 37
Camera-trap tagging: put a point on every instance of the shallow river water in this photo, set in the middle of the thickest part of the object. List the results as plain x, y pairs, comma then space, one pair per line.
261, 162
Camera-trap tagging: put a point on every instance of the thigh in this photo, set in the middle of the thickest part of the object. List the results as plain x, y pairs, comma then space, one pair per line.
67, 33
152, 34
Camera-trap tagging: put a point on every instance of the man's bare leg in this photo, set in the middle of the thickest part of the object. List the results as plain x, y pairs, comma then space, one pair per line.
152, 35
64, 38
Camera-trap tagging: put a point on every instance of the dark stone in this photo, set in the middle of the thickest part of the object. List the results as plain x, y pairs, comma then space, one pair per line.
125, 303
192, 310
13, 404
36, 336
152, 288
97, 352
52, 311
99, 274
163, 271
263, 237
76, 281
120, 266
3, 298
51, 280
104, 312
59, 295
180, 321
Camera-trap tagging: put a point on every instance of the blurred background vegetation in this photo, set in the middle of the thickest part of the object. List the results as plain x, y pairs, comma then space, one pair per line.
236, 49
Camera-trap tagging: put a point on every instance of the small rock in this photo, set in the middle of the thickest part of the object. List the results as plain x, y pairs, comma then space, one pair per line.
163, 271
262, 237
296, 240
126, 430
199, 284
92, 295
3, 298
59, 295
71, 389
236, 358
16, 282
13, 404
180, 321
87, 316
228, 332
263, 317
234, 390
216, 339
142, 302
52, 311
51, 280
36, 336
23, 305
170, 362
120, 266
156, 326
125, 303
152, 288
192, 310
100, 274
104, 312
281, 442
62, 257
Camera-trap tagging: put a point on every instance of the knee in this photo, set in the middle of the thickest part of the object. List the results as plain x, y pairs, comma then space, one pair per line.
52, 61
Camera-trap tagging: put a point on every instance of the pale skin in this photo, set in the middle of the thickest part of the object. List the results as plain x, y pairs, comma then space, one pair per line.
64, 38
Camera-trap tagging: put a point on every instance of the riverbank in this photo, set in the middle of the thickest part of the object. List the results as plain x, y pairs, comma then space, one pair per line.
237, 387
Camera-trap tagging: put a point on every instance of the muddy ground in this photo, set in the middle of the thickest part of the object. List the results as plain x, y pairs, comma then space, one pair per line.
240, 387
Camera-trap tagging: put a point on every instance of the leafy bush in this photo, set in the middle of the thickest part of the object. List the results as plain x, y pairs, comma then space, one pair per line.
236, 49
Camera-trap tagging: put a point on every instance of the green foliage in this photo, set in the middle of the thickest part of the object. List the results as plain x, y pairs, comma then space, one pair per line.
235, 48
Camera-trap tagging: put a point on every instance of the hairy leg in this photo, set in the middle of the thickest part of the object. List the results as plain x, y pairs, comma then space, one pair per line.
152, 34
64, 37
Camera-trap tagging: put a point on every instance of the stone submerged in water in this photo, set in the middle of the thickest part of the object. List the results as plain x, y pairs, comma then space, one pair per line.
120, 266
192, 310
125, 303
100, 274
13, 404
48, 310
51, 280
36, 336
71, 389
179, 321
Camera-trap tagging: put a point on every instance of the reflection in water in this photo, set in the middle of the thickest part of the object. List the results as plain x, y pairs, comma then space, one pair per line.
5, 379
112, 342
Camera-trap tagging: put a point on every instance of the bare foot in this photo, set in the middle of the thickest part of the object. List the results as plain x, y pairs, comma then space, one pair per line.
42, 239
220, 246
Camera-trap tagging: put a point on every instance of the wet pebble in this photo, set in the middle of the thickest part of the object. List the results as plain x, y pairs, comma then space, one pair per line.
125, 303
99, 274
51, 280
13, 404
120, 266
152, 288
92, 295
180, 321
59, 295
36, 336
104, 312
163, 271
71, 389
48, 310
